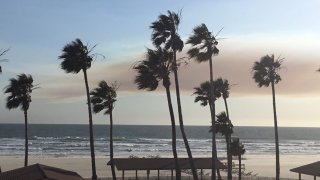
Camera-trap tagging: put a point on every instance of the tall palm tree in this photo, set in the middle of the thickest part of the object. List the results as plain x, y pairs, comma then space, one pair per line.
165, 32
19, 91
204, 97
237, 149
266, 72
3, 52
203, 49
223, 87
155, 68
224, 127
76, 57
103, 98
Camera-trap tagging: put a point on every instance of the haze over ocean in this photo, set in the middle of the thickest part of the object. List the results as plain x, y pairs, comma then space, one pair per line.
145, 140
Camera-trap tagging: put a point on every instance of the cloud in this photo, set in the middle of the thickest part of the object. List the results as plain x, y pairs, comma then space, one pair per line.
237, 55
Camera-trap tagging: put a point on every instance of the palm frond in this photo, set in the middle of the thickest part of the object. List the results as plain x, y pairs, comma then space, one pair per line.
19, 91
236, 147
203, 93
165, 31
155, 68
203, 44
3, 51
103, 97
76, 57
222, 87
223, 124
267, 70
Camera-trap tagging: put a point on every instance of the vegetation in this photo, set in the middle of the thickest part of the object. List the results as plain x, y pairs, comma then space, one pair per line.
203, 95
2, 53
225, 128
237, 149
19, 91
266, 72
155, 68
203, 49
158, 66
222, 87
76, 57
165, 32
103, 98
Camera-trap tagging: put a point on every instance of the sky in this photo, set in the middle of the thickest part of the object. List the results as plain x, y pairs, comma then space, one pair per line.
36, 31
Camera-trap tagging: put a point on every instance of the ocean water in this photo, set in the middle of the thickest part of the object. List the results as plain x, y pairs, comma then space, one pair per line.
144, 141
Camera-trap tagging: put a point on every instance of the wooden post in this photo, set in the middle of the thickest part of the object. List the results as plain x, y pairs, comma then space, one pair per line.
315, 177
158, 174
201, 174
122, 174
171, 174
148, 172
136, 174
299, 176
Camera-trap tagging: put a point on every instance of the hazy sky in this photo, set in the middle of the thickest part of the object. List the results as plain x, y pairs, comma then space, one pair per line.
36, 31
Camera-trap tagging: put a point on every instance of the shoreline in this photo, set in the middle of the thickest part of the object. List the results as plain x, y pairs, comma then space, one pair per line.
258, 165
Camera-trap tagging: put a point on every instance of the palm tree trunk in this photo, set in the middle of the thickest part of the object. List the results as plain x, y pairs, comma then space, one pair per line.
239, 166
26, 138
213, 120
93, 161
185, 140
276, 131
226, 105
218, 173
229, 158
174, 136
228, 139
214, 155
114, 177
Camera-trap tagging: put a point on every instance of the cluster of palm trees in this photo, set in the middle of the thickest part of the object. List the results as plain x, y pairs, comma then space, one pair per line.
157, 67
75, 57
161, 61
78, 57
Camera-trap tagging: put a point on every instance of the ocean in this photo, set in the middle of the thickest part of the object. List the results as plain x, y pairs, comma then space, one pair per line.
144, 140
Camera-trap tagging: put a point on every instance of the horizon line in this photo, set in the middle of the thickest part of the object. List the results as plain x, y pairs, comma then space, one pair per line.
153, 125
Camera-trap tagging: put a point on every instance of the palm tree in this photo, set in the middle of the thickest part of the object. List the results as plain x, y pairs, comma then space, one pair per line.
266, 72
237, 149
103, 98
223, 87
19, 91
204, 48
76, 57
155, 68
204, 97
165, 32
225, 128
3, 52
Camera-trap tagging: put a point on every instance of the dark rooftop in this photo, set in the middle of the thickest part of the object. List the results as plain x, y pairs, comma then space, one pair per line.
39, 172
162, 163
312, 169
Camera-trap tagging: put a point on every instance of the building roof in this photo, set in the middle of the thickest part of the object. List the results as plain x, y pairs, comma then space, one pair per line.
39, 172
312, 169
162, 163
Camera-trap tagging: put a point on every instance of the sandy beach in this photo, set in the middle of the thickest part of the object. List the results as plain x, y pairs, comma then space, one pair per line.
259, 165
